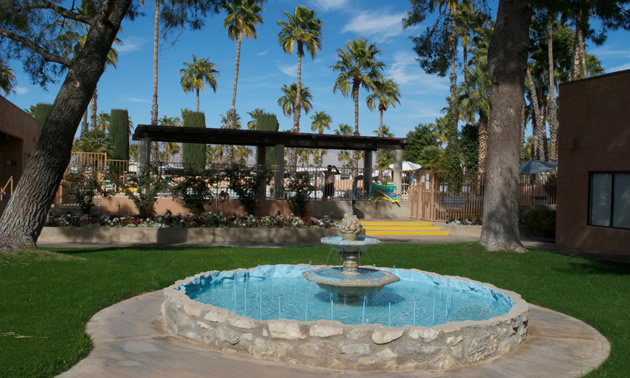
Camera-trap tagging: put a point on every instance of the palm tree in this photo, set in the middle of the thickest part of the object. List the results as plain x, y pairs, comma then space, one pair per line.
170, 148
196, 74
156, 34
303, 155
475, 92
251, 125
321, 121
7, 78
386, 92
287, 102
95, 140
242, 153
242, 18
228, 120
357, 67
343, 155
301, 30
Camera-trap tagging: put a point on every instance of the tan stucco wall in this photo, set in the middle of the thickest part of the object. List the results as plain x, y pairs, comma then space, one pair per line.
18, 136
594, 136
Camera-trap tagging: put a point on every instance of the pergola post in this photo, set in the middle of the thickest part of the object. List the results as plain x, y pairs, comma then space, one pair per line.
144, 156
398, 159
261, 169
279, 174
367, 172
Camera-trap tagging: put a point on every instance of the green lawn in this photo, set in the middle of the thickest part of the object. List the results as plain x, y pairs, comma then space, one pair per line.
47, 298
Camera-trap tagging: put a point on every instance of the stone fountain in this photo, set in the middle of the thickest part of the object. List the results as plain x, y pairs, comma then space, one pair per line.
350, 281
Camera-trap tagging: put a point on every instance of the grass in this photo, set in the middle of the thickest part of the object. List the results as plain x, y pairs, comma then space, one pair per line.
47, 297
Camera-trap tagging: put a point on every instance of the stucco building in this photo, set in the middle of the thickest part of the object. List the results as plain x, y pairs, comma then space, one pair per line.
593, 210
18, 136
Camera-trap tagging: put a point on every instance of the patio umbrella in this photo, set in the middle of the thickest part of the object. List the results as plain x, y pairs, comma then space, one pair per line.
407, 166
536, 166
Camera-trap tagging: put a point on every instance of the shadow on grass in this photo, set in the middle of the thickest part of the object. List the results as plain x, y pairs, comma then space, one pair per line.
596, 266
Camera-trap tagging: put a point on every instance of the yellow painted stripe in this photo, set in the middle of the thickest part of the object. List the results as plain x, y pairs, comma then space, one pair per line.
408, 233
401, 228
396, 223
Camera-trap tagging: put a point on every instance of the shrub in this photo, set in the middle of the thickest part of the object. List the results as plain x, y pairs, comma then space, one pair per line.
194, 189
541, 222
119, 134
244, 182
84, 186
146, 194
302, 188
194, 155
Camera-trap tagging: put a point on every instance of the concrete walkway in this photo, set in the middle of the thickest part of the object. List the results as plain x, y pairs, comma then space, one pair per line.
130, 342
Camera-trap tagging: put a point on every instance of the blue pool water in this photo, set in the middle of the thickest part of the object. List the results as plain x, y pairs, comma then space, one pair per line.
281, 292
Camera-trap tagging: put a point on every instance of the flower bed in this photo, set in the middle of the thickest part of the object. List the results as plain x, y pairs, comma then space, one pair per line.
207, 220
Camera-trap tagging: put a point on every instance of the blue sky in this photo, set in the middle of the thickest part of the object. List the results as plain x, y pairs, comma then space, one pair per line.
265, 67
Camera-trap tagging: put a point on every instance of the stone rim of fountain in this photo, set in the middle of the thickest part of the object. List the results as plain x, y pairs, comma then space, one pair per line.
332, 344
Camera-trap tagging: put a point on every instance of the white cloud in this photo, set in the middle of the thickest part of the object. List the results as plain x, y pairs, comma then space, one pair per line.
289, 70
262, 53
623, 67
377, 24
406, 70
326, 5
135, 99
609, 51
20, 90
130, 44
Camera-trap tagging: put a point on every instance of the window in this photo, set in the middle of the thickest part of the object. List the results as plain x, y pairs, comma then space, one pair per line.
609, 200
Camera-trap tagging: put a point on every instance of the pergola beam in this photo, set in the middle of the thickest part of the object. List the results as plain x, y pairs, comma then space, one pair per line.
265, 138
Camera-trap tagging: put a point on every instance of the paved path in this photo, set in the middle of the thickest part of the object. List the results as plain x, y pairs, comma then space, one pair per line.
129, 342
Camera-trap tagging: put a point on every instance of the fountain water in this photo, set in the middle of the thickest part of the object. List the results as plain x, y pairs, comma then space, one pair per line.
350, 281
419, 320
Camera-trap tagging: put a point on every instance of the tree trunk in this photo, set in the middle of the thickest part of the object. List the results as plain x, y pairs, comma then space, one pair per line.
23, 219
84, 125
230, 149
297, 107
538, 125
507, 63
380, 125
355, 154
155, 146
552, 108
522, 133
483, 141
197, 92
93, 109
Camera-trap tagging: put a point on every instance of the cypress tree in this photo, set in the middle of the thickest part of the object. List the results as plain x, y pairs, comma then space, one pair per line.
119, 134
194, 155
268, 122
40, 112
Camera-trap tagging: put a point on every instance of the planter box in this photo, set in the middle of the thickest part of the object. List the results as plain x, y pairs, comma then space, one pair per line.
167, 236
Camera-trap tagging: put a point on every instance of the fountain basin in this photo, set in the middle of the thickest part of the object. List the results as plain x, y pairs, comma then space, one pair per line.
344, 346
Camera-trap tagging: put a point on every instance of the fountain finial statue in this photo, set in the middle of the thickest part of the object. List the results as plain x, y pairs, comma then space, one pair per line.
350, 227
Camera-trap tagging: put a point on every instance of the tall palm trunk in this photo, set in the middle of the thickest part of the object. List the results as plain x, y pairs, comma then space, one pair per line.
84, 124
297, 107
553, 108
197, 100
155, 147
578, 68
355, 153
239, 39
483, 141
522, 133
156, 33
380, 124
93, 109
537, 121
230, 150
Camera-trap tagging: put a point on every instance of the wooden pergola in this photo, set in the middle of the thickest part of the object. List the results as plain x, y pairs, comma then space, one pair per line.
146, 134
